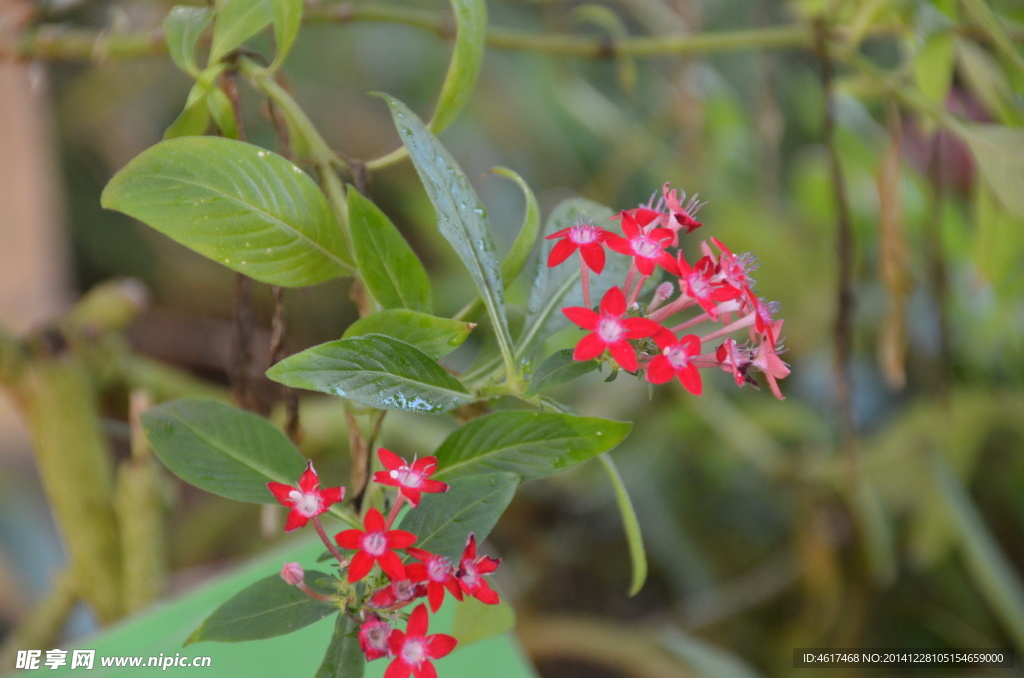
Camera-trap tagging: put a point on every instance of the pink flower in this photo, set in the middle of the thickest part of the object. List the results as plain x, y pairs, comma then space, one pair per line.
471, 573
610, 329
731, 359
676, 360
373, 638
308, 501
413, 648
400, 591
680, 217
767, 359
412, 480
586, 238
698, 283
647, 249
375, 545
439, 574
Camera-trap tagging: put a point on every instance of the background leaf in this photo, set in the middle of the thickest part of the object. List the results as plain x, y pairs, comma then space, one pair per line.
183, 27
267, 609
237, 204
461, 217
529, 444
471, 505
999, 151
374, 370
476, 621
222, 449
468, 54
237, 21
630, 525
523, 245
344, 658
389, 268
434, 336
287, 21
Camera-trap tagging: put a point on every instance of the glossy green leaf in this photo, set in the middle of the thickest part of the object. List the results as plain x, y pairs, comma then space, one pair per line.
344, 658
559, 368
287, 21
237, 21
222, 449
389, 268
523, 245
476, 621
559, 287
374, 370
468, 54
529, 444
471, 505
461, 217
630, 525
267, 609
238, 204
183, 26
999, 151
434, 336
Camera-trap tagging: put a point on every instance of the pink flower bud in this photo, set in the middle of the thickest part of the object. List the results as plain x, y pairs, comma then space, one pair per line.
292, 573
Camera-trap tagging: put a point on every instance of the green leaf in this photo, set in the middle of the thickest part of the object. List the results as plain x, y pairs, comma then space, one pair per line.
240, 205
223, 112
476, 621
470, 40
374, 370
434, 336
193, 120
390, 269
559, 287
527, 238
183, 26
559, 368
267, 609
471, 505
529, 444
344, 658
933, 66
461, 217
287, 21
999, 151
630, 524
237, 21
222, 449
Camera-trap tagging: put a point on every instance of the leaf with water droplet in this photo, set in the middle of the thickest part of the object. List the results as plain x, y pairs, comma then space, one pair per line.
374, 370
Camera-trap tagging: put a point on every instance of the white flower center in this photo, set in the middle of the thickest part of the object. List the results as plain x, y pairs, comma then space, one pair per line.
375, 543
610, 329
645, 247
439, 568
407, 477
306, 504
414, 651
677, 357
584, 234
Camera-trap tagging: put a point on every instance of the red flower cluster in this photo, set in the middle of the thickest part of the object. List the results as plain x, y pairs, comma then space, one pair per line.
399, 583
656, 337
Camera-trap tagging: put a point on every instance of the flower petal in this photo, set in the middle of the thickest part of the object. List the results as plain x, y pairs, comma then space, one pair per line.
624, 354
589, 347
660, 370
294, 521
583, 317
562, 250
349, 539
440, 644
391, 461
282, 493
689, 377
360, 566
418, 621
613, 303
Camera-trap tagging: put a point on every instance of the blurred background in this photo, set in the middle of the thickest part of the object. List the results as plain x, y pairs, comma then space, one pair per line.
877, 506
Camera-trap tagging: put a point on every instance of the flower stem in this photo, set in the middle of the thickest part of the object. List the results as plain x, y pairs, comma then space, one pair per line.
327, 541
585, 281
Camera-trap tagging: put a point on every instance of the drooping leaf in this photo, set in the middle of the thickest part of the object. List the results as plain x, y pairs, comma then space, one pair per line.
237, 21
389, 268
999, 151
471, 505
559, 287
470, 37
527, 238
434, 336
269, 608
240, 205
476, 621
344, 658
183, 27
374, 370
461, 217
529, 444
630, 525
559, 368
222, 449
287, 21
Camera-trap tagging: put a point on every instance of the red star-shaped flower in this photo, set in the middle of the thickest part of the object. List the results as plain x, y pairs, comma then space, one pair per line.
413, 648
411, 480
646, 248
697, 281
400, 591
471, 573
611, 330
676, 360
586, 238
373, 638
308, 501
439, 574
375, 544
